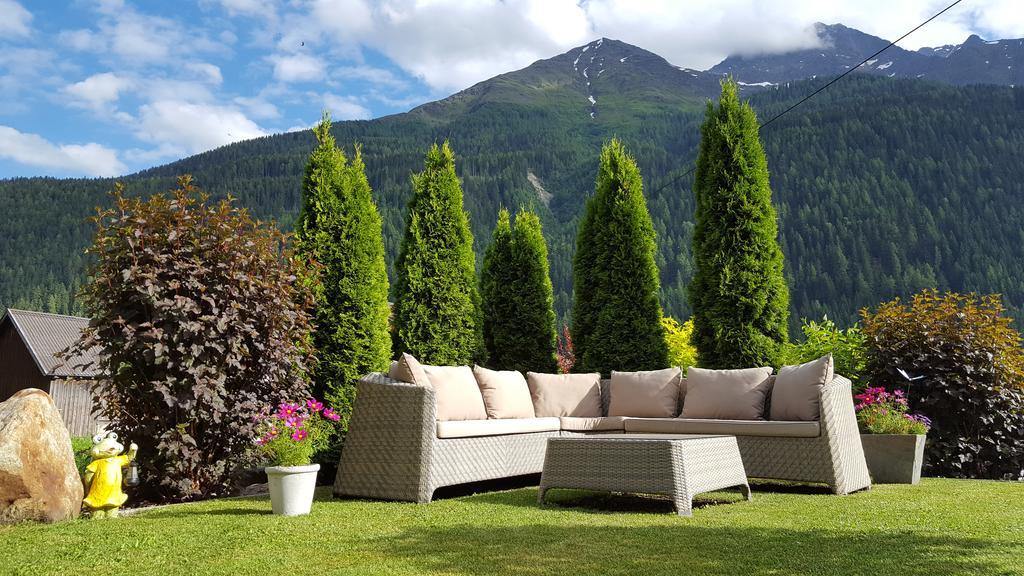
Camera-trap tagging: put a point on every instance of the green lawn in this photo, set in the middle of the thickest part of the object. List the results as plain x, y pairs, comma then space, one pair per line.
939, 527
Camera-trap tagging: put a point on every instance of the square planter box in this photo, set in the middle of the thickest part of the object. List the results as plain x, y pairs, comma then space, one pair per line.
894, 458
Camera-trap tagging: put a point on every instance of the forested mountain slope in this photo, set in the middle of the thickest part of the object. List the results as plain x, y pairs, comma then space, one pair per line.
884, 186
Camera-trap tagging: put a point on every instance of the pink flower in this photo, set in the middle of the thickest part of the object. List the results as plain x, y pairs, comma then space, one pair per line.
286, 411
331, 415
299, 435
314, 405
273, 432
294, 422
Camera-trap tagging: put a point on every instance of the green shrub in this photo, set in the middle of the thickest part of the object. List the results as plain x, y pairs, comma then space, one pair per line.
616, 313
198, 315
973, 371
738, 294
437, 305
847, 347
339, 228
517, 298
681, 351
81, 445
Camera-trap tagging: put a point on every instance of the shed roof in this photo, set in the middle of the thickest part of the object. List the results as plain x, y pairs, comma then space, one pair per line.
47, 334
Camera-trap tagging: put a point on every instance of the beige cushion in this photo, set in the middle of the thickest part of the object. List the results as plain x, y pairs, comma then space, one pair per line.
505, 393
492, 427
651, 394
408, 369
458, 397
796, 394
597, 424
728, 427
726, 394
565, 394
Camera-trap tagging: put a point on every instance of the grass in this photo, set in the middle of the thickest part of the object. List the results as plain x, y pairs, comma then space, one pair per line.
938, 527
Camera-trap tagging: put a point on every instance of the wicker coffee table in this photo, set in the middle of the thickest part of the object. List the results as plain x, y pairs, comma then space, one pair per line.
680, 466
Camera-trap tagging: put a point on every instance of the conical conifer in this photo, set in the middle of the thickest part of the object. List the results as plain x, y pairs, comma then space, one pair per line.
738, 294
339, 228
437, 305
518, 300
616, 313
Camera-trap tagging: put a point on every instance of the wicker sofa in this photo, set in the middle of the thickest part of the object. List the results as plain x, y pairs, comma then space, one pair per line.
396, 449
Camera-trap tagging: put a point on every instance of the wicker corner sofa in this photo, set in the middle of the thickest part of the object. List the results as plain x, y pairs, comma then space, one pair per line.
397, 450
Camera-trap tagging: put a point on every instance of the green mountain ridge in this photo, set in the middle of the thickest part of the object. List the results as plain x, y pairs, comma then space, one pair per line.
883, 186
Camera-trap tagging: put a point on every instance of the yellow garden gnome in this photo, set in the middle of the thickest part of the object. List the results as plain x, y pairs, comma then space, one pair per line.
103, 494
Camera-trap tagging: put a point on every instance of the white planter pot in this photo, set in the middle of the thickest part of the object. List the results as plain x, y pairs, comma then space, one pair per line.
894, 458
291, 488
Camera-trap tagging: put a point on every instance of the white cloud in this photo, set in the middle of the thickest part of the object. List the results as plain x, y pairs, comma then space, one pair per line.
297, 67
82, 40
206, 71
180, 127
258, 107
345, 108
98, 91
370, 74
33, 150
15, 20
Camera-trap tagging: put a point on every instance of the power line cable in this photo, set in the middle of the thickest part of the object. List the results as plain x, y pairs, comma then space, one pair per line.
831, 82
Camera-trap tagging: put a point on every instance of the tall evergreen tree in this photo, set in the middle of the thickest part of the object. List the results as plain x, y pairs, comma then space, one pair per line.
339, 228
738, 293
437, 305
518, 301
616, 313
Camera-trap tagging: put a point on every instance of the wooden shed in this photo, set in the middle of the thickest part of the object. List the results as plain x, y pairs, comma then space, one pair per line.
29, 342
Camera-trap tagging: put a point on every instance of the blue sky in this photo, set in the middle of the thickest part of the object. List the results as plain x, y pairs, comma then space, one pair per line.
109, 87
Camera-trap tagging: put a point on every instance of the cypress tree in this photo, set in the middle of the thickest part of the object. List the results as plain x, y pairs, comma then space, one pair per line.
518, 300
339, 228
616, 313
738, 293
437, 305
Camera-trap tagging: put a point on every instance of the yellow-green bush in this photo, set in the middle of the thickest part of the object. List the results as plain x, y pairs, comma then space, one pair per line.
681, 351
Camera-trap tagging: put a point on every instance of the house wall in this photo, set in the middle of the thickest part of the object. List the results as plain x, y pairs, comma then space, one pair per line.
18, 370
74, 401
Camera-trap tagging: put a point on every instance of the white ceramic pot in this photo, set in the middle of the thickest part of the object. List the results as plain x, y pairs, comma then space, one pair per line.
291, 488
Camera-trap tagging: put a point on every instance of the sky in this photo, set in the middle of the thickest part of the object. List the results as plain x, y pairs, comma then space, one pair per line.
109, 87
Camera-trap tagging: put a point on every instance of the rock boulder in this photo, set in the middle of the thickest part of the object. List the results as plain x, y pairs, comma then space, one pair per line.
38, 477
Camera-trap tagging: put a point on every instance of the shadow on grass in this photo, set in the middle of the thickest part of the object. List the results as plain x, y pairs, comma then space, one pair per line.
685, 549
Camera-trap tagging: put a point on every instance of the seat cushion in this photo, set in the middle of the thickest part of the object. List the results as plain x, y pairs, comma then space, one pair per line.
408, 369
729, 427
726, 394
505, 393
796, 394
598, 424
647, 394
576, 395
492, 427
458, 396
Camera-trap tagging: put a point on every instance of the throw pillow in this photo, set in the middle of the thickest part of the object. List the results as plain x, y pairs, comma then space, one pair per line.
577, 395
646, 394
726, 394
797, 391
505, 393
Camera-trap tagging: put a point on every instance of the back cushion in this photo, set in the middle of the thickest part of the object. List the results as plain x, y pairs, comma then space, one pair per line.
458, 397
650, 394
726, 394
505, 393
797, 391
408, 369
577, 395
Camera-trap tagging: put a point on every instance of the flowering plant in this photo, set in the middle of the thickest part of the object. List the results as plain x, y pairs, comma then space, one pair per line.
883, 412
291, 435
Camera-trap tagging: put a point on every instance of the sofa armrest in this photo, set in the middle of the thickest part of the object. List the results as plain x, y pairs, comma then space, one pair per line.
839, 425
389, 444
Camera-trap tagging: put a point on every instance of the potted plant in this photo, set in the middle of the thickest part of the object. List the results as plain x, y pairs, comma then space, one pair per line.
289, 438
893, 438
